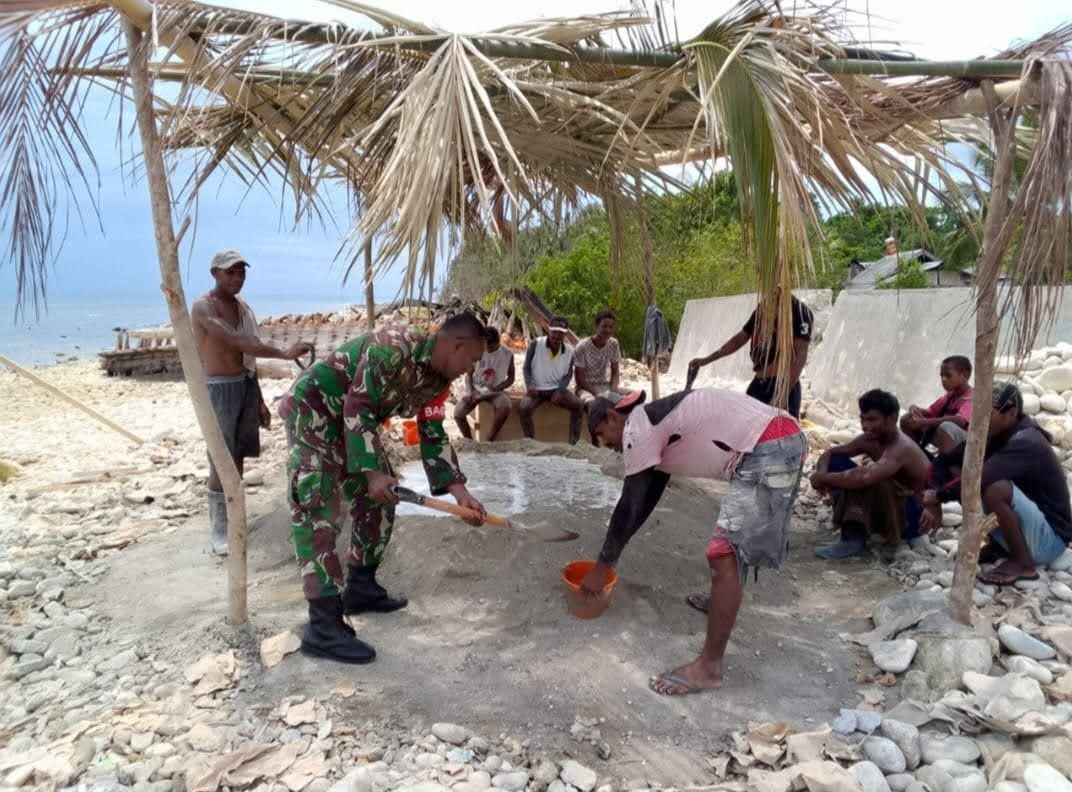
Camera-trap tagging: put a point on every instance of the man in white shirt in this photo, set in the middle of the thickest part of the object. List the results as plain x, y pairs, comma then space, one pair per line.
548, 370
488, 382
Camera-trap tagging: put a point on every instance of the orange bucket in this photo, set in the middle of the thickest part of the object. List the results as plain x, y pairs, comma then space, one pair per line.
410, 434
573, 574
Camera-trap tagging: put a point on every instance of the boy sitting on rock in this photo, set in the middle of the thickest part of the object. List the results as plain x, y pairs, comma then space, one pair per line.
945, 423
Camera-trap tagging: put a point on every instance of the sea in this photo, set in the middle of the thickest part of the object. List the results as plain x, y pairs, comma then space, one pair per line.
77, 329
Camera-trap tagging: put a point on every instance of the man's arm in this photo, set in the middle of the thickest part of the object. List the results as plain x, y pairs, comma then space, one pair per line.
510, 375
864, 476
927, 423
437, 455
800, 358
563, 384
244, 342
615, 366
361, 419
852, 448
727, 349
640, 494
526, 369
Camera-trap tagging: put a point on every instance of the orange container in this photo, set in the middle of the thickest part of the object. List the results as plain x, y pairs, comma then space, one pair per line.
410, 434
573, 574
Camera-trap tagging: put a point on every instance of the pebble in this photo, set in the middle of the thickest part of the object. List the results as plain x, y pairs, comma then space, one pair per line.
906, 737
450, 733
893, 656
869, 777
1021, 664
577, 775
1041, 777
1018, 642
936, 747
885, 754
512, 782
1063, 562
899, 782
141, 741
1061, 591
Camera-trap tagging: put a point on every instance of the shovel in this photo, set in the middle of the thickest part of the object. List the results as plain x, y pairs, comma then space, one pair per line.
547, 533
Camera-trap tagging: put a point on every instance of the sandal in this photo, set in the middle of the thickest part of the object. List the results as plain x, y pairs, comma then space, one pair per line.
701, 602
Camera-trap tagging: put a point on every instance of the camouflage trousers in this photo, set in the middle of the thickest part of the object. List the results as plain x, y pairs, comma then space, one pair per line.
316, 495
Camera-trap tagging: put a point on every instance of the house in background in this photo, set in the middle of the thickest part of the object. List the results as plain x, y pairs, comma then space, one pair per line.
871, 274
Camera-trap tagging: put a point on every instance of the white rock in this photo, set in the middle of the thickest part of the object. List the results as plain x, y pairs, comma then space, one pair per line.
885, 754
1032, 404
1043, 778
1007, 697
1009, 786
1058, 378
1018, 642
906, 736
899, 782
869, 777
577, 775
894, 656
936, 747
450, 733
1053, 403
512, 782
1020, 664
1063, 562
952, 519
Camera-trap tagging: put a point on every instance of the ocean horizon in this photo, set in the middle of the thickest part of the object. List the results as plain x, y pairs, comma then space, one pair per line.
78, 329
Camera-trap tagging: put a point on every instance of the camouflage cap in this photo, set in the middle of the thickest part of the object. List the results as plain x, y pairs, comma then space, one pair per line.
226, 259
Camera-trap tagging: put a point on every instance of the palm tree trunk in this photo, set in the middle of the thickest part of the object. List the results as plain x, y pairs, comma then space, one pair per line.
996, 238
370, 295
171, 284
649, 274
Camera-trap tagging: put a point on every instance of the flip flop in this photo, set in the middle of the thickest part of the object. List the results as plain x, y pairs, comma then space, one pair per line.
700, 602
997, 578
689, 688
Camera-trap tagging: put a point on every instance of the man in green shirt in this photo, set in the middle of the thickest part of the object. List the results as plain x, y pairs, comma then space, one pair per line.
333, 415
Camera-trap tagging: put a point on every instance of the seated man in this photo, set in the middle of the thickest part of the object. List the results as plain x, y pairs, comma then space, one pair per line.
548, 370
1023, 486
884, 497
597, 362
714, 434
488, 382
945, 423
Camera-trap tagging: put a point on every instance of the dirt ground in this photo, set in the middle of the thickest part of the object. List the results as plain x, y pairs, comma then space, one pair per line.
487, 640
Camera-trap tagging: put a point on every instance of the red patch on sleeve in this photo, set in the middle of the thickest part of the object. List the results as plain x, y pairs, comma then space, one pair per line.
435, 410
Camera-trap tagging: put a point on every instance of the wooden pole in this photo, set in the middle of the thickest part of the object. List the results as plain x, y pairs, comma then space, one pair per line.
370, 295
996, 239
171, 284
649, 276
48, 386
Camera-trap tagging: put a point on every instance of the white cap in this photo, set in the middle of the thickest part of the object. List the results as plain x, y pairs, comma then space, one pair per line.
226, 259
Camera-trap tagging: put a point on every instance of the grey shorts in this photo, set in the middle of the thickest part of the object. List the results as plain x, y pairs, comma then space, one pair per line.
753, 522
237, 401
954, 432
500, 401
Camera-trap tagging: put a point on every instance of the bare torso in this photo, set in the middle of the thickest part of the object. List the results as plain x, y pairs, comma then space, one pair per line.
914, 463
220, 358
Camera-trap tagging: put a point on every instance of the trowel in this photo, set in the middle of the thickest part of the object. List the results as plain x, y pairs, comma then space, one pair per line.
547, 533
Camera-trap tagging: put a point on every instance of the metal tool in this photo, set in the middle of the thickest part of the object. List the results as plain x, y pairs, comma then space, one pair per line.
691, 378
547, 533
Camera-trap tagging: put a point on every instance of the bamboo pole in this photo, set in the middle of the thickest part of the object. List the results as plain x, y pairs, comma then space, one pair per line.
171, 284
370, 294
649, 275
48, 386
996, 239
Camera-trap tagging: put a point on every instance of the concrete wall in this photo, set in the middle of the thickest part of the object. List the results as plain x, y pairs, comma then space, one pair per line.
707, 324
896, 341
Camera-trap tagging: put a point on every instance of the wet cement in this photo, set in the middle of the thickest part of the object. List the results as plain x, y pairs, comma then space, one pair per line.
487, 641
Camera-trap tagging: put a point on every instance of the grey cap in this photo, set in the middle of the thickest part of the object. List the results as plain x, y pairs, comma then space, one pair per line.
1007, 396
226, 259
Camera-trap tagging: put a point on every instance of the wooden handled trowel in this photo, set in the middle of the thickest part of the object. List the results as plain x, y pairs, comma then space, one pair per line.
547, 533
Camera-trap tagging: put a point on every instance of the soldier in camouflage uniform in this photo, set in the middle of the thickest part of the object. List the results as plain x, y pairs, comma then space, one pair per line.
333, 415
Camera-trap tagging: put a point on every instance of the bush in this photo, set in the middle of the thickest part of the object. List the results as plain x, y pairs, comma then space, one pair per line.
910, 275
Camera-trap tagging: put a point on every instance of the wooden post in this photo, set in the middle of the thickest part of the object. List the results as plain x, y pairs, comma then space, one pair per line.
171, 284
370, 295
649, 275
996, 239
48, 386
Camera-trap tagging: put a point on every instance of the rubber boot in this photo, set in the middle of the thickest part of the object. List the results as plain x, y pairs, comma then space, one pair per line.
853, 544
217, 517
327, 635
363, 593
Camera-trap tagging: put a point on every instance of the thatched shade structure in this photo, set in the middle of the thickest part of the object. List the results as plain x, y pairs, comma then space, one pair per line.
436, 134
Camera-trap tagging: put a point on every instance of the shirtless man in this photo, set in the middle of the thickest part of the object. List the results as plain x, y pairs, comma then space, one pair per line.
884, 497
226, 334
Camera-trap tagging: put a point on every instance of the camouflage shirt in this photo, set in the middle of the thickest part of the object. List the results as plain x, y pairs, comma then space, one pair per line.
336, 406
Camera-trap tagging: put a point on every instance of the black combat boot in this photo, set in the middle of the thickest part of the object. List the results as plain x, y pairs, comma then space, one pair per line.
328, 635
363, 593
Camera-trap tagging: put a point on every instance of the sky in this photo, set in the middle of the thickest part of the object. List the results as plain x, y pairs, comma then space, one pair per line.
117, 258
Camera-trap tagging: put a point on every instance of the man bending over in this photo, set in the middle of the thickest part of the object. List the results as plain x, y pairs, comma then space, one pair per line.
1024, 486
714, 434
884, 497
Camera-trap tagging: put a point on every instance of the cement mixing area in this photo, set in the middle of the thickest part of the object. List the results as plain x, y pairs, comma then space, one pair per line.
119, 671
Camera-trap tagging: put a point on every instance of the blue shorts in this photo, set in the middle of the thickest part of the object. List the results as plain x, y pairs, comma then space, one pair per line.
1043, 542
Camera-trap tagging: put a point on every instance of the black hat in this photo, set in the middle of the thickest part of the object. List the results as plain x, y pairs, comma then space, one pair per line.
1007, 396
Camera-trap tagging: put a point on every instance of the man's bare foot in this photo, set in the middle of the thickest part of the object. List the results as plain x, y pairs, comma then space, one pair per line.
1007, 573
694, 677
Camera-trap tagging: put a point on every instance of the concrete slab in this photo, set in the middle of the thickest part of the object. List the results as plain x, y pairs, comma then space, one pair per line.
707, 324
